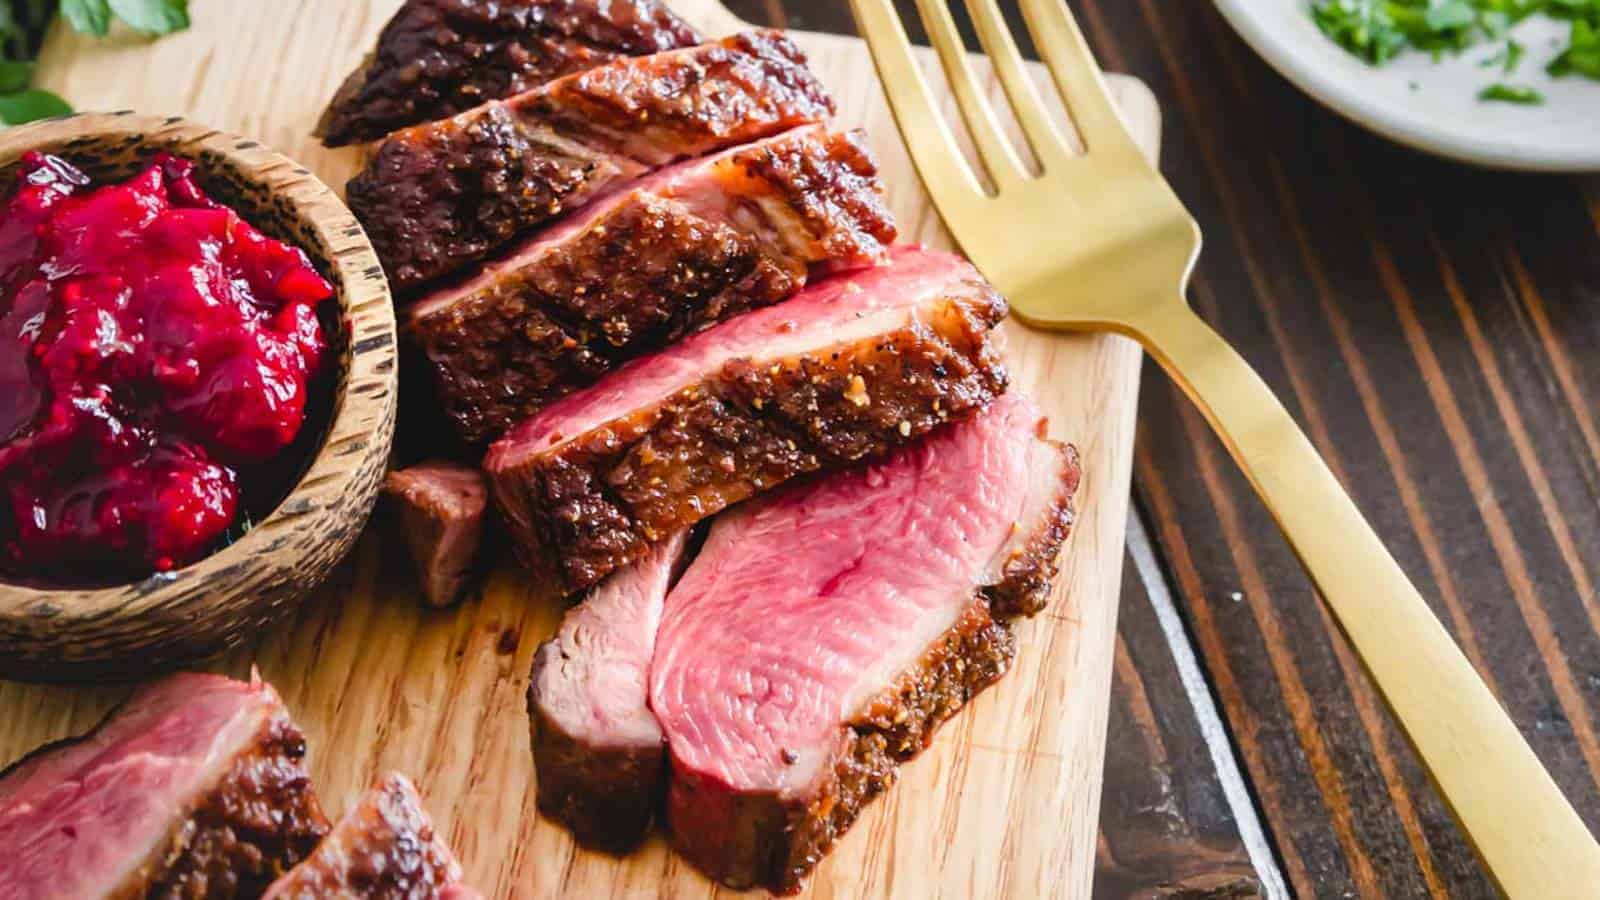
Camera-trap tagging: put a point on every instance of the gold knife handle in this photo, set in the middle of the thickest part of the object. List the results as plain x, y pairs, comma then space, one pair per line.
1528, 835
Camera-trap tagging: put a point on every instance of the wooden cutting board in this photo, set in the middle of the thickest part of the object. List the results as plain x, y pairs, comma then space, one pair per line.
1005, 802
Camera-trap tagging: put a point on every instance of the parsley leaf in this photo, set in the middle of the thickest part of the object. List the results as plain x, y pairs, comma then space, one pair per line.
1379, 30
22, 27
153, 16
147, 16
1514, 52
1361, 26
14, 75
27, 105
1582, 56
88, 16
1511, 93
1509, 57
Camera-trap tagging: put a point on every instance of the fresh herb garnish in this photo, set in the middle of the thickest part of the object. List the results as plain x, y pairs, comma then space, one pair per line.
1379, 30
23, 24
1511, 93
1509, 57
148, 16
1582, 56
1363, 28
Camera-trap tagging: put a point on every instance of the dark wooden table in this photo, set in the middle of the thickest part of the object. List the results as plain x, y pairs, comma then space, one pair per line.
1433, 327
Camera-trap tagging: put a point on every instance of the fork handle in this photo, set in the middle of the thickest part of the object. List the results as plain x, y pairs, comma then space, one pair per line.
1528, 835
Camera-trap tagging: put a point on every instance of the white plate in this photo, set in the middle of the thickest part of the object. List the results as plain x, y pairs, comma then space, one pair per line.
1435, 106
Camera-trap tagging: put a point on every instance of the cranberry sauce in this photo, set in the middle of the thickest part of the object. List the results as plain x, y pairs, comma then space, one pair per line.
155, 349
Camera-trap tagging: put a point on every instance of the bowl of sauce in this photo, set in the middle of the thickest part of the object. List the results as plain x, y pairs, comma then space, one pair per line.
197, 392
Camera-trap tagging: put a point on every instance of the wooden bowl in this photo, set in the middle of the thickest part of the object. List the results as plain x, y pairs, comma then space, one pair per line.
175, 618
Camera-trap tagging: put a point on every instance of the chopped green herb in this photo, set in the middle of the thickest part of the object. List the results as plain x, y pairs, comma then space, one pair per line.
1360, 26
1509, 57
1379, 30
1582, 56
1511, 93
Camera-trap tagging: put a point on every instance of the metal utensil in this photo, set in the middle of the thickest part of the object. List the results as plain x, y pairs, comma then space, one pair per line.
1098, 241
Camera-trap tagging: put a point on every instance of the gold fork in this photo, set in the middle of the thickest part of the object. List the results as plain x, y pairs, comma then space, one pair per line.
1098, 241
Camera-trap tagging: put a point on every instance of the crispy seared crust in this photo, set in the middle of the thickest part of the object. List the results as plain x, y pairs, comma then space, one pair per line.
260, 821
599, 501
1027, 576
773, 841
442, 195
385, 848
607, 796
763, 840
479, 173
655, 272
436, 58
643, 277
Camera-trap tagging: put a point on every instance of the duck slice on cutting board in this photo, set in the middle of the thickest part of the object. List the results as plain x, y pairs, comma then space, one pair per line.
854, 367
443, 195
194, 787
436, 58
825, 632
383, 849
598, 752
684, 248
442, 507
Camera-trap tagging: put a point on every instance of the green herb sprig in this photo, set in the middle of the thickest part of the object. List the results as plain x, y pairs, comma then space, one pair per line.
1379, 30
23, 24
1511, 93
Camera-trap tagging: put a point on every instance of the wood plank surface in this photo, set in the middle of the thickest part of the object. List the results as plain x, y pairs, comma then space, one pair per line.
1429, 324
1004, 803
1167, 826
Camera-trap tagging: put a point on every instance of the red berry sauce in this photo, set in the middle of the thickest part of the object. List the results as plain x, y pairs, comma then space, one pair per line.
155, 349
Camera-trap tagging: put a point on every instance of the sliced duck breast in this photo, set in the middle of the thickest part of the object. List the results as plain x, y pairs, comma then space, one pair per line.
194, 787
442, 507
597, 748
686, 248
383, 849
439, 196
436, 58
855, 366
824, 633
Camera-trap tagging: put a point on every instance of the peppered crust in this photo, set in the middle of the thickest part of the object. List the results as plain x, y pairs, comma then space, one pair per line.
642, 277
442, 195
261, 820
600, 500
436, 58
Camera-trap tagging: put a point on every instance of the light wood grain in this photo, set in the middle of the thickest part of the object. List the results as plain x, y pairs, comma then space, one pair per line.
1003, 805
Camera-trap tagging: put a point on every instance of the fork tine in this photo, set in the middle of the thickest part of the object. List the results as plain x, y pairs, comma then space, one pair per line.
1077, 76
1004, 166
933, 147
1047, 141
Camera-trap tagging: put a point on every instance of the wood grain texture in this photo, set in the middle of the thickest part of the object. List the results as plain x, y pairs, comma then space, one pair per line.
201, 610
1004, 803
1166, 826
1426, 322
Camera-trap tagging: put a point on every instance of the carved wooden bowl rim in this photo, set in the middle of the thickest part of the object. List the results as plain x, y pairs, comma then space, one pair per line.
204, 607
